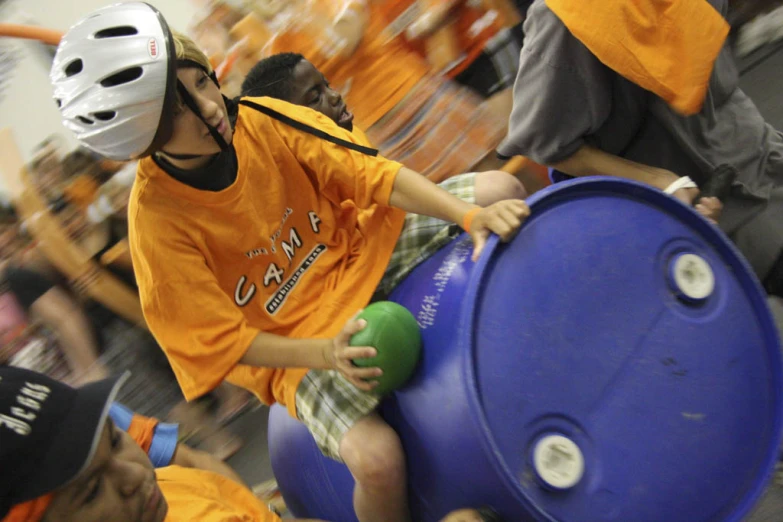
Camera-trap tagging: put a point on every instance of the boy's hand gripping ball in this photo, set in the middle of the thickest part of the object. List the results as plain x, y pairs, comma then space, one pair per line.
394, 333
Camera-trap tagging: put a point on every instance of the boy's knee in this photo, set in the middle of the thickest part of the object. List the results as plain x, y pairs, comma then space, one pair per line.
374, 456
496, 185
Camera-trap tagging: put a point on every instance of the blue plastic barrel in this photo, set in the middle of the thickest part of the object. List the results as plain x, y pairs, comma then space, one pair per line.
615, 362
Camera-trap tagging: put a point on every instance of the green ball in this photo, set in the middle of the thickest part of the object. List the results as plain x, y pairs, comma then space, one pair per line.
393, 331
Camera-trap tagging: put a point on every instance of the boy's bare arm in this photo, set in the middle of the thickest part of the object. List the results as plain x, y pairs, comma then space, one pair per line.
275, 351
589, 161
414, 193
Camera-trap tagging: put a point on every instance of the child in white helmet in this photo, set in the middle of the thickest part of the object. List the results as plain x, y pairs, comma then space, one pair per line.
249, 266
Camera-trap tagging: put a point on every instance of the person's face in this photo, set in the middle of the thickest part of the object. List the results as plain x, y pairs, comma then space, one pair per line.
312, 90
118, 485
190, 135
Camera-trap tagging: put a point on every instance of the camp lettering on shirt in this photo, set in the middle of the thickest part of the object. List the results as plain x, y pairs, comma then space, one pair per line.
294, 247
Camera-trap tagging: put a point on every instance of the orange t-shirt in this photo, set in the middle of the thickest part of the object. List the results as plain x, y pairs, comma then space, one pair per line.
474, 27
277, 251
379, 74
195, 495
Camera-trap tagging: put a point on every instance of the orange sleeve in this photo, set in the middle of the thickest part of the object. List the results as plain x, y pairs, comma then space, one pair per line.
142, 430
342, 171
203, 496
32, 510
201, 347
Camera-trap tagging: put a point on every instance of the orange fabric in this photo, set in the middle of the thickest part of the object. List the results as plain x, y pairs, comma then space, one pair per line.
379, 74
142, 430
278, 251
668, 47
474, 27
202, 496
31, 32
31, 511
81, 191
467, 219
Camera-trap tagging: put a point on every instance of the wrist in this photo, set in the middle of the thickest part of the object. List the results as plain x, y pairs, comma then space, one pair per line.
680, 183
467, 218
327, 354
665, 179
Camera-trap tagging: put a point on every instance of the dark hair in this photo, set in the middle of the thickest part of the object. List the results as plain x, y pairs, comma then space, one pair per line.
272, 76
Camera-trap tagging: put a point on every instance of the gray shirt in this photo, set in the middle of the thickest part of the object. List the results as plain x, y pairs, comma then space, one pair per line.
564, 98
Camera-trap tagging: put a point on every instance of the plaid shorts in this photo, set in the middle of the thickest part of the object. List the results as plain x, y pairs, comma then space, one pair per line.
326, 402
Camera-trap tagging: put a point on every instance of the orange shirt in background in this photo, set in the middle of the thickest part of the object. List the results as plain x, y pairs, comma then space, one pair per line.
278, 251
474, 26
379, 74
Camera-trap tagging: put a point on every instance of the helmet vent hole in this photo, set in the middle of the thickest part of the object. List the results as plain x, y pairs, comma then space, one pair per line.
104, 115
74, 68
59, 102
114, 32
122, 77
84, 120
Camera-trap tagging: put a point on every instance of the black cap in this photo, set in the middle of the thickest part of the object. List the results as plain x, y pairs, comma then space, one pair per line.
49, 432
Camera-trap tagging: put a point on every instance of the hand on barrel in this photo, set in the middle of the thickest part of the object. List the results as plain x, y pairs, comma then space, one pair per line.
710, 208
341, 356
502, 218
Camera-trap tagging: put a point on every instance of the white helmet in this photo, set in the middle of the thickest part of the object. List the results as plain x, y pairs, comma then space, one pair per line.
114, 79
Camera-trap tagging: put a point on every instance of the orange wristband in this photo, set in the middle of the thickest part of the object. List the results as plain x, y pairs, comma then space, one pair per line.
467, 219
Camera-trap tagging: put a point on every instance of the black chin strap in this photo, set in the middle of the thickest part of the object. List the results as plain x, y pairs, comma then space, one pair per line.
190, 103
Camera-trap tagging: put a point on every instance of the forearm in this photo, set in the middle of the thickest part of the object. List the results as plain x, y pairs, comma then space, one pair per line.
589, 161
414, 193
188, 457
276, 351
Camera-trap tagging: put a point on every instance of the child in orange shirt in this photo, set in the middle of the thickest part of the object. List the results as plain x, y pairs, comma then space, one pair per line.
70, 455
488, 57
292, 78
249, 265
